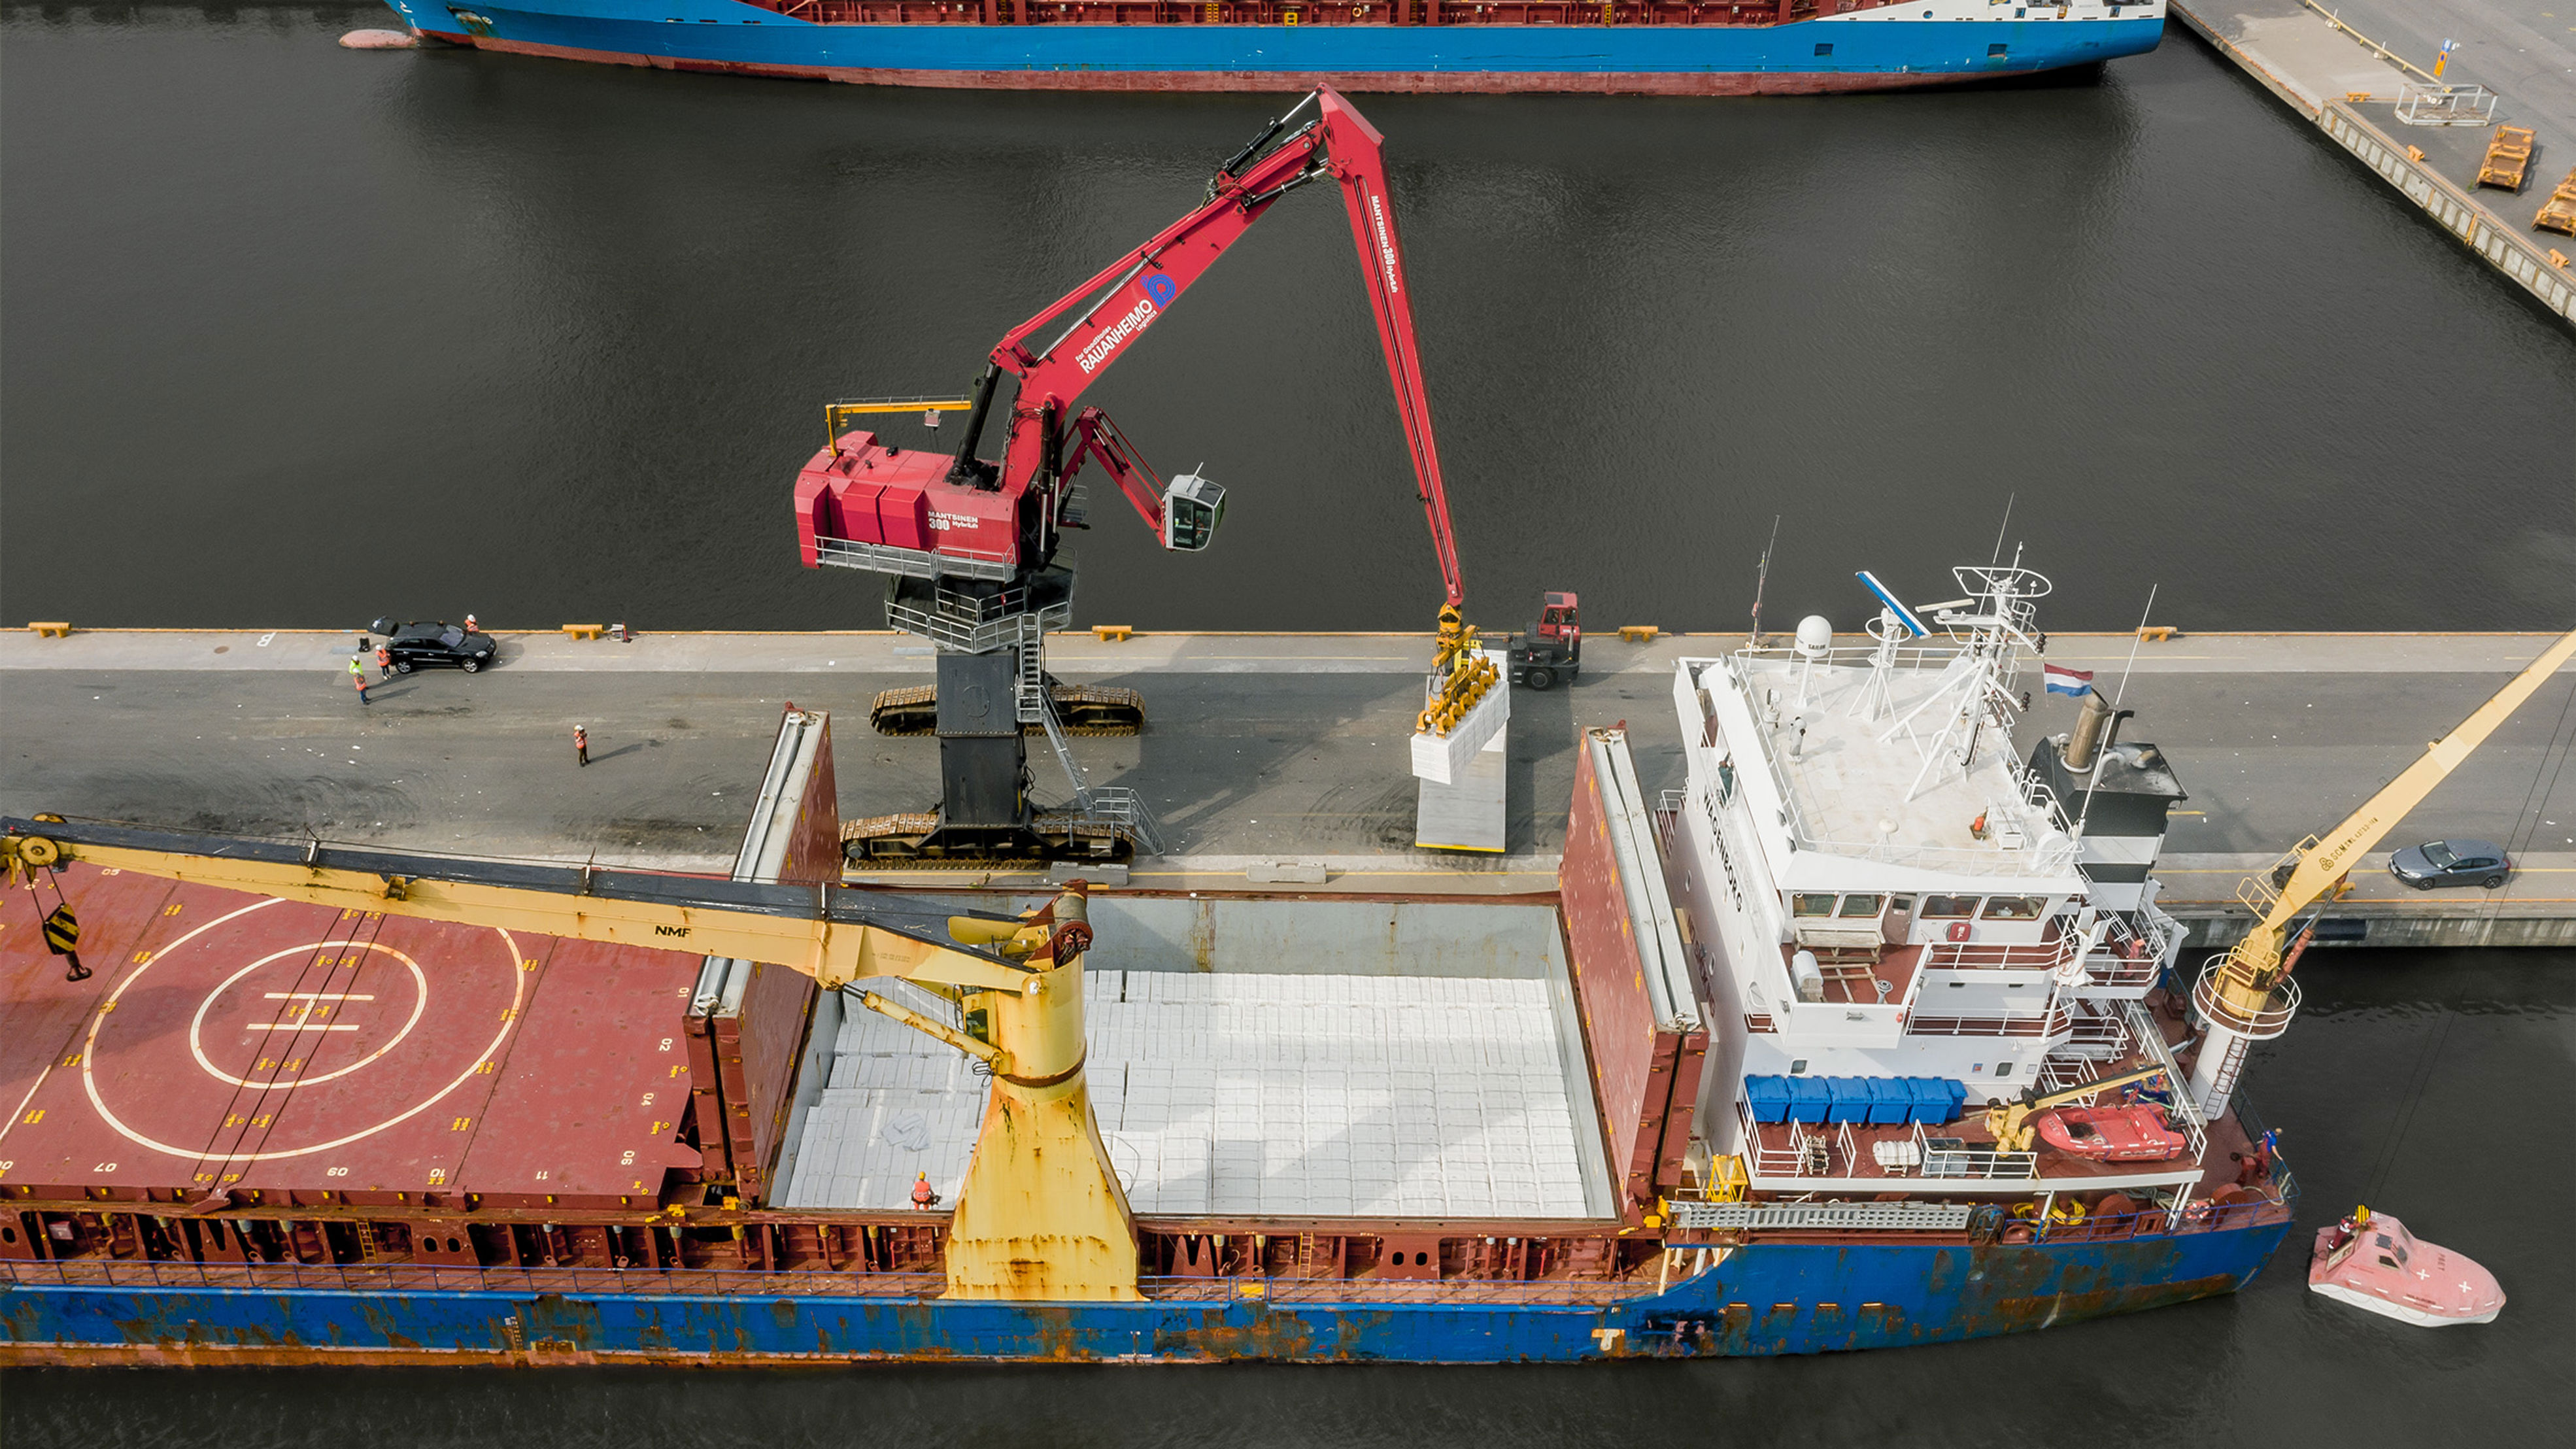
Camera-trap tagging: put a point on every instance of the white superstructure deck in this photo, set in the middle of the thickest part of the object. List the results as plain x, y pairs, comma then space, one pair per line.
1233, 1092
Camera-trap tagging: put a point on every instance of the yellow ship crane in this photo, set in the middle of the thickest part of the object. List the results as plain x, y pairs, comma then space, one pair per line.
2246, 995
1039, 1217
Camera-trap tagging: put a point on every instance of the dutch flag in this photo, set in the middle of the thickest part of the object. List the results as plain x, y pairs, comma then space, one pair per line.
2062, 680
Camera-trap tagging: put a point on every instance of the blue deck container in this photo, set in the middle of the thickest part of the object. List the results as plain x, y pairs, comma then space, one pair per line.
1809, 1099
1768, 1097
1890, 1103
1932, 1102
1850, 1099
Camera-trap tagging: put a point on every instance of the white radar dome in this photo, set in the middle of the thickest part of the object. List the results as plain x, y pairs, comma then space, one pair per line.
1815, 635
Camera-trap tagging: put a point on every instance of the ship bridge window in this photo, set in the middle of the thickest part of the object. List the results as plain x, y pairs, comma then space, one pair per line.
1949, 908
2013, 908
1858, 907
1812, 905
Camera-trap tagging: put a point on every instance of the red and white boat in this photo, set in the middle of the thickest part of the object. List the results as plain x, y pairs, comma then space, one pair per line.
2370, 1261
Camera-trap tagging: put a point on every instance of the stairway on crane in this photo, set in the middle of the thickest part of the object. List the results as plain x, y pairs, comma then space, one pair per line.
1088, 710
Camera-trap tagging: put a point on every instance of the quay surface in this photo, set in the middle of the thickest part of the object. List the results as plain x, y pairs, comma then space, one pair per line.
1259, 749
2312, 55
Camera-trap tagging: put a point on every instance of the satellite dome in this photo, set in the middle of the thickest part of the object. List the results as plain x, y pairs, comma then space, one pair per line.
1815, 635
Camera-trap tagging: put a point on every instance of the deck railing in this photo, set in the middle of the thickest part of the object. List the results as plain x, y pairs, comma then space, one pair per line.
448, 1278
2053, 1023
1954, 1157
1973, 956
738, 1283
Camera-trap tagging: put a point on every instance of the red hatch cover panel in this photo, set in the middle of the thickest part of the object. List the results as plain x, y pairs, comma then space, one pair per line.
243, 1043
591, 1086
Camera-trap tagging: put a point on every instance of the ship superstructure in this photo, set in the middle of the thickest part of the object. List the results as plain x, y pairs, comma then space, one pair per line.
1904, 931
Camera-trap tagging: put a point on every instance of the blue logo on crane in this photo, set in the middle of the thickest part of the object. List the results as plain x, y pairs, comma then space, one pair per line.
1161, 288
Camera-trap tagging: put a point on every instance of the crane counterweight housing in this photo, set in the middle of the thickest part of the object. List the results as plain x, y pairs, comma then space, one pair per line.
865, 502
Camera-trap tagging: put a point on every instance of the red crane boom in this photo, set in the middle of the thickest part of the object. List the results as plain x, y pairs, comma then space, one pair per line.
918, 513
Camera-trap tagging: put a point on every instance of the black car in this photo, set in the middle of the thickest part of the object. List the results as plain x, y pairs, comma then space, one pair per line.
434, 643
2451, 863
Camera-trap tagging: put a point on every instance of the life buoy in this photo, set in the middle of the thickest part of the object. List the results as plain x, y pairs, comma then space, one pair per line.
1958, 930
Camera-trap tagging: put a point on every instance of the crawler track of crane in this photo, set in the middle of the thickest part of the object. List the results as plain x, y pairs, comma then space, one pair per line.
1084, 709
899, 840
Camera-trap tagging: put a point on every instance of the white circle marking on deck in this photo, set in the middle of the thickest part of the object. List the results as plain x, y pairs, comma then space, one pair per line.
98, 1019
196, 1024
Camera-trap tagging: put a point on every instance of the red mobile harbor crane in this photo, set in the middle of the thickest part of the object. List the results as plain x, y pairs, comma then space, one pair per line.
971, 544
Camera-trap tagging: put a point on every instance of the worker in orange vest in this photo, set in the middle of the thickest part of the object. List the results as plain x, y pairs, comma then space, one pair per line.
581, 744
384, 661
922, 1196
358, 677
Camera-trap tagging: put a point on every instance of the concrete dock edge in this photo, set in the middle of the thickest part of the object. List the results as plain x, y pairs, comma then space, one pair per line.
2520, 259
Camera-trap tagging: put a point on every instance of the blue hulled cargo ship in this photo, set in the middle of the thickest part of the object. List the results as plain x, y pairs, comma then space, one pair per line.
1869, 1035
1654, 47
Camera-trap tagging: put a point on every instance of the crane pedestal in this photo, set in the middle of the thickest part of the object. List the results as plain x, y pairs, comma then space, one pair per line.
2239, 1015
992, 691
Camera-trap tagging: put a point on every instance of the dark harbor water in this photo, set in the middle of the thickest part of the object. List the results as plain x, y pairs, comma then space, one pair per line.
301, 336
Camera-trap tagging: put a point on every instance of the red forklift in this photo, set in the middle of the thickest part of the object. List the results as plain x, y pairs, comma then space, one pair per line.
1553, 647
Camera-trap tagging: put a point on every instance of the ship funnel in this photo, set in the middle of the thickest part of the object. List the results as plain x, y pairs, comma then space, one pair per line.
2086, 743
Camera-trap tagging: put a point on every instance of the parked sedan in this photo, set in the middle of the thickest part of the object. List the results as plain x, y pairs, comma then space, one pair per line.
435, 643
2438, 863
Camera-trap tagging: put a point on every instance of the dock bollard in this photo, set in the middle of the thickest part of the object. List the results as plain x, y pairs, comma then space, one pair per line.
1638, 633
585, 631
2157, 634
56, 630
1113, 633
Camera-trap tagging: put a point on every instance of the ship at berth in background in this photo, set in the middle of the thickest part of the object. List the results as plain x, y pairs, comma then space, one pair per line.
1652, 47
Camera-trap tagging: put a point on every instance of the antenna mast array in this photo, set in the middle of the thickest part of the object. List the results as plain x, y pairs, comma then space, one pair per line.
1992, 626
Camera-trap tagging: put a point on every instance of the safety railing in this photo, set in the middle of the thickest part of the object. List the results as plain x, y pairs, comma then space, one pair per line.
734, 1283
2096, 1035
1534, 1291
1116, 810
977, 622
1957, 1157
2273, 1019
1969, 956
1807, 1154
2040, 1027
910, 563
2419, 104
450, 1278
2052, 855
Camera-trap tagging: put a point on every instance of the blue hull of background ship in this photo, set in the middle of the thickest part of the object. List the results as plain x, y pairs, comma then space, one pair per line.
1860, 51
1763, 1299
